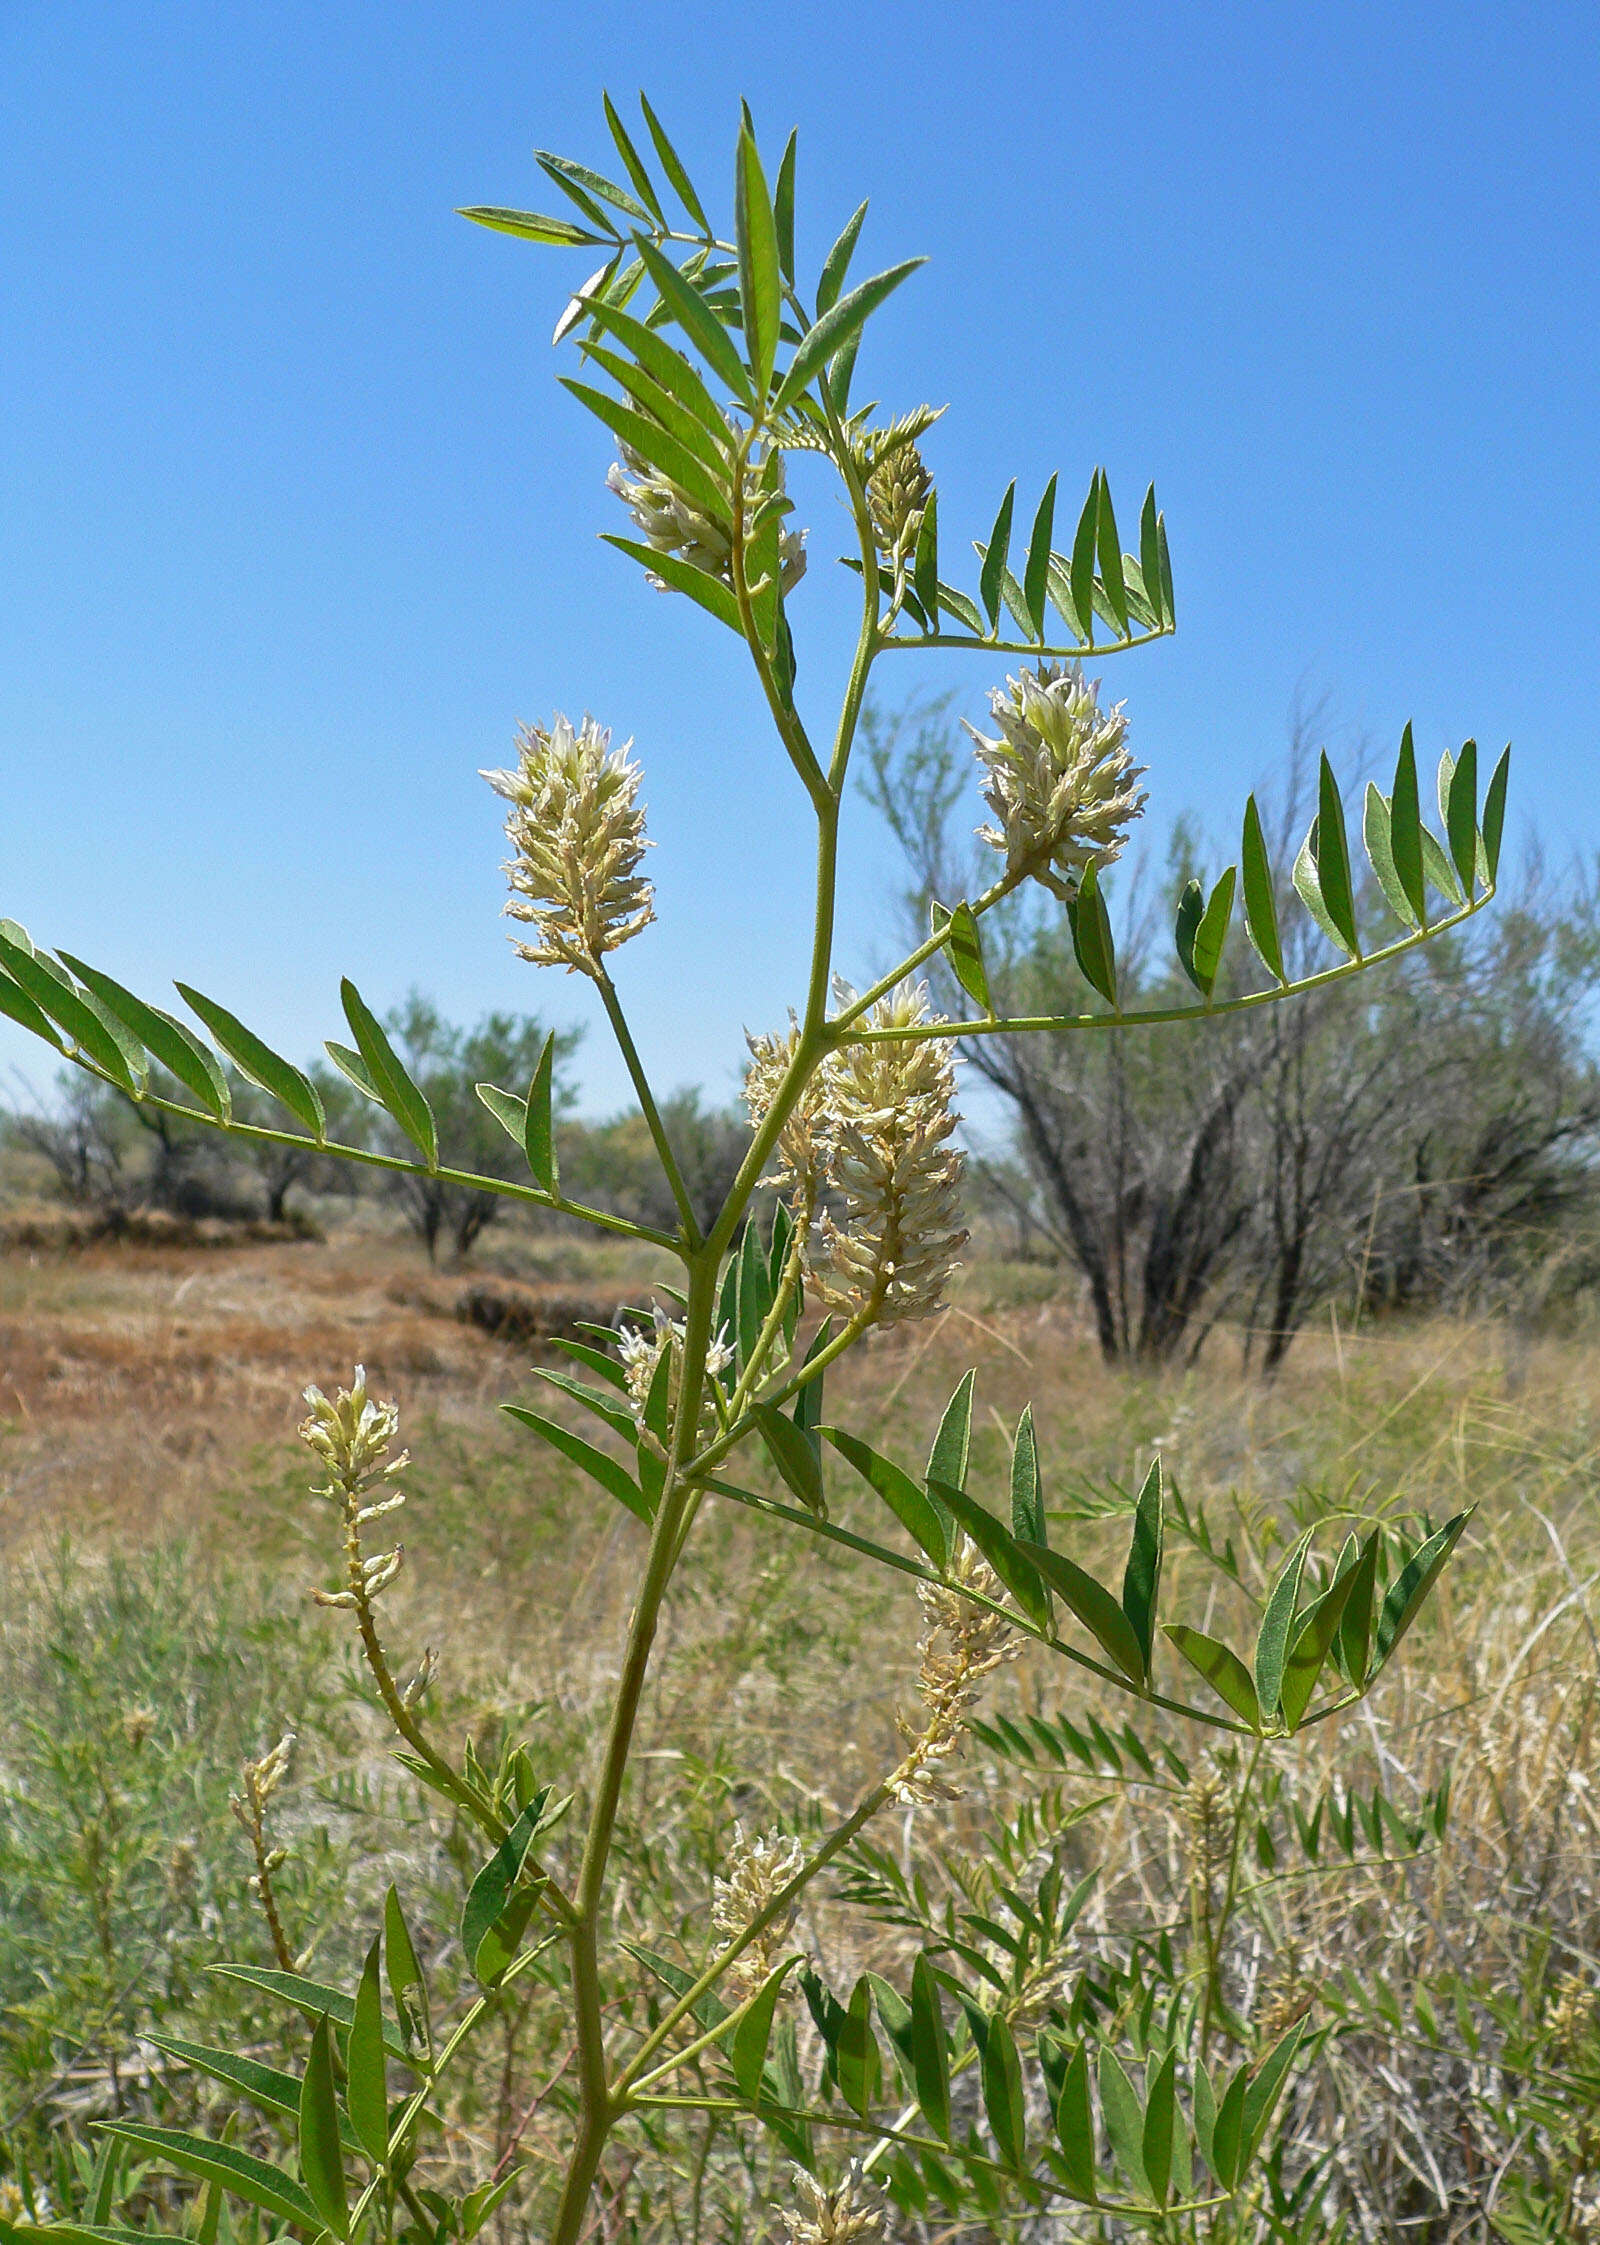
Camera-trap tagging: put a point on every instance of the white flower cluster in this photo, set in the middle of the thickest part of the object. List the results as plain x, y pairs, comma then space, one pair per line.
1061, 781
849, 2212
642, 1351
757, 1872
577, 828
351, 1435
870, 1132
671, 522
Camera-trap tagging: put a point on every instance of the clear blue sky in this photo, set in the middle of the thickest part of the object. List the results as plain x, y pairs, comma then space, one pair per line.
296, 522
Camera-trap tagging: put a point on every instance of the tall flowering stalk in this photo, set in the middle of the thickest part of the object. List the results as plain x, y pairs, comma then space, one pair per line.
720, 365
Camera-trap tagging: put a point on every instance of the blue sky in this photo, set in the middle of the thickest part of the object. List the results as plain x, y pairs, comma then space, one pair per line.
297, 523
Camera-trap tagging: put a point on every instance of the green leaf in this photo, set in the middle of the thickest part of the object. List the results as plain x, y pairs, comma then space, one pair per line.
793, 1456
644, 186
600, 1466
755, 1292
958, 605
566, 173
239, 2172
672, 165
1494, 813
1124, 2118
493, 1890
1092, 944
366, 2090
1027, 1487
1354, 1639
578, 304
1141, 1581
259, 1062
837, 262
1167, 605
930, 2047
538, 1136
1205, 2114
1313, 1638
1309, 889
608, 1408
706, 591
531, 226
947, 1460
1212, 933
311, 1998
670, 371
747, 2051
1191, 911
1160, 2107
1376, 831
1110, 550
1081, 578
266, 2086
921, 1519
178, 1049
1438, 868
1461, 815
1150, 556
925, 568
1075, 2129
1227, 2136
1260, 899
1014, 1566
994, 557
396, 1089
760, 280
1405, 835
321, 2155
855, 2054
1266, 2083
406, 1983
1408, 1592
1277, 1623
964, 949
53, 994
783, 209
1003, 2100
1095, 1608
1223, 1671
1036, 574
1333, 859
15, 1002
689, 308
480, 2204
657, 445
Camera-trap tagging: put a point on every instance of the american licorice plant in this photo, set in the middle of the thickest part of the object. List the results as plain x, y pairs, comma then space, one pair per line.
989, 2093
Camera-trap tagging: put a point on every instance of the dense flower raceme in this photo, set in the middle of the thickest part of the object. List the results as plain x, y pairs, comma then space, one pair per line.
962, 1644
898, 491
756, 1873
1061, 781
870, 1132
672, 522
577, 828
352, 1435
849, 2212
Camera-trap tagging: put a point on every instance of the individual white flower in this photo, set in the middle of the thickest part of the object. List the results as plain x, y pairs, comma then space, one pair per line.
577, 827
890, 1249
1061, 780
642, 1350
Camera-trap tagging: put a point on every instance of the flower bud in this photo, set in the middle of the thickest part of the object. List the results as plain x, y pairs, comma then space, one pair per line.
897, 497
1061, 780
671, 522
577, 827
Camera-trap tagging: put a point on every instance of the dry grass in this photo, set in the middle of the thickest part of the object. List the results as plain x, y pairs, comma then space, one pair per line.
150, 1391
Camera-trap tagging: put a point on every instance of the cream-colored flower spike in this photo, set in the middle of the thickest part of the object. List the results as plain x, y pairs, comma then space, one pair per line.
888, 1122
1061, 781
848, 2212
577, 827
801, 1148
756, 1873
673, 523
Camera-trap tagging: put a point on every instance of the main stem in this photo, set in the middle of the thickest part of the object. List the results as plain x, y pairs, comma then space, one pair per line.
597, 2112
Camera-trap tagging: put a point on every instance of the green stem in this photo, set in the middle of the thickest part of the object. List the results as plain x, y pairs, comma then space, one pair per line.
1025, 646
647, 1103
1217, 1928
506, 1187
1023, 1024
597, 2111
